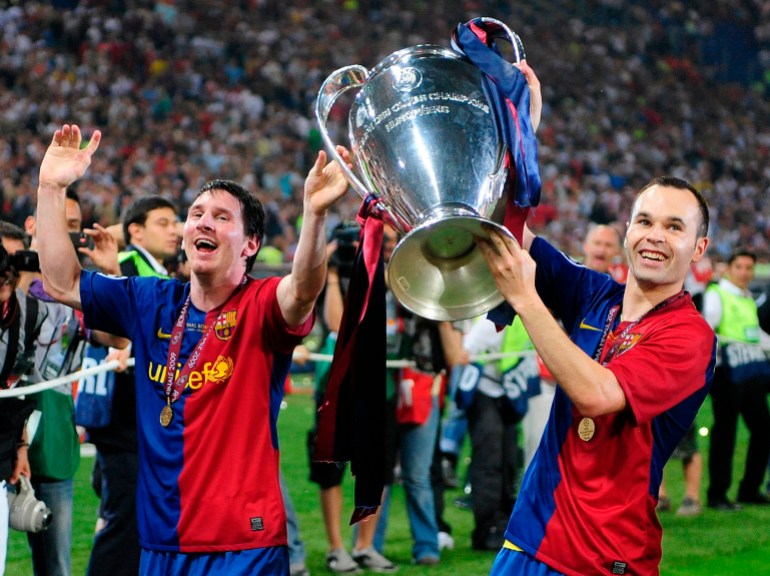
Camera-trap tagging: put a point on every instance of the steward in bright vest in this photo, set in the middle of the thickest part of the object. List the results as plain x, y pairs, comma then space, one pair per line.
740, 386
739, 316
134, 257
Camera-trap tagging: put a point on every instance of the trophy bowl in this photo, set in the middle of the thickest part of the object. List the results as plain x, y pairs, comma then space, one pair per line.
424, 139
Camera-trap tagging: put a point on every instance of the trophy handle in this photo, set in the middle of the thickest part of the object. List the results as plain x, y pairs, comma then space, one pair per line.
335, 85
339, 82
499, 30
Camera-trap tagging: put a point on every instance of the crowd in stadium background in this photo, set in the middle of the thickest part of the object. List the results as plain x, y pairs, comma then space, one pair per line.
185, 91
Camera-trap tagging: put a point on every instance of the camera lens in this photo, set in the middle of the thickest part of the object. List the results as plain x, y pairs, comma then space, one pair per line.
27, 513
43, 518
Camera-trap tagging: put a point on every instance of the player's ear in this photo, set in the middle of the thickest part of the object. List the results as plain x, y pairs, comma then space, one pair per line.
700, 249
30, 225
251, 247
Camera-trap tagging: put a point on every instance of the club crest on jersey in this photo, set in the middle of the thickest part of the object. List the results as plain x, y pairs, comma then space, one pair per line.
628, 342
225, 324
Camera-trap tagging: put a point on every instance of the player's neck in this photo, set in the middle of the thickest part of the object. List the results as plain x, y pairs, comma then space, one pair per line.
207, 294
639, 299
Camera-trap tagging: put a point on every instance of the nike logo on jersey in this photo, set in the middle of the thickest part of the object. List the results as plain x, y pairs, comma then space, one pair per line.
584, 326
162, 335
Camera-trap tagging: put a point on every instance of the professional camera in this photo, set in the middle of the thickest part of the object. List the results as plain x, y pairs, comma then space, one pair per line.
21, 261
346, 235
28, 514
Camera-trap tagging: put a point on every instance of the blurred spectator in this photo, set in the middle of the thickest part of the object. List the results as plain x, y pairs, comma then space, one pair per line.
687, 450
601, 247
739, 386
649, 88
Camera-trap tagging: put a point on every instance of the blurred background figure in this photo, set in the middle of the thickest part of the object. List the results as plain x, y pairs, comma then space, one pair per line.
602, 248
496, 403
740, 385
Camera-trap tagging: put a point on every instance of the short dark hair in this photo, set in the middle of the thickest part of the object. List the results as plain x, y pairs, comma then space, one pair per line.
73, 195
741, 252
682, 184
14, 232
136, 212
252, 212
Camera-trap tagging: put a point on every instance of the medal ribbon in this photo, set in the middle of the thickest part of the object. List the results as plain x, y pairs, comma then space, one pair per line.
606, 332
587, 426
174, 386
605, 358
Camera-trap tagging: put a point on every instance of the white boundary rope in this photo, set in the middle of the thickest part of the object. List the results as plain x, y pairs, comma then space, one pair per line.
61, 380
312, 357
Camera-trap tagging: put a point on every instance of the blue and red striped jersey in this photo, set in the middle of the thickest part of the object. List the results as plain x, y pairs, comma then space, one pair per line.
209, 481
587, 507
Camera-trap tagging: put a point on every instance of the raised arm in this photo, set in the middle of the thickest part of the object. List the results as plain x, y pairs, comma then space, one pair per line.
452, 343
297, 292
593, 388
64, 162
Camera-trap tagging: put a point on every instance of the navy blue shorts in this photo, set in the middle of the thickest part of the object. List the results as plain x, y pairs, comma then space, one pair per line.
272, 560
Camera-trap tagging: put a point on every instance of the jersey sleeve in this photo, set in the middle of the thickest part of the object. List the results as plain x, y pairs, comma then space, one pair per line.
109, 303
279, 335
567, 287
666, 367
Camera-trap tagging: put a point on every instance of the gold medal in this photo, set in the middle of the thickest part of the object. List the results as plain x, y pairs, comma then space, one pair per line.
586, 429
166, 416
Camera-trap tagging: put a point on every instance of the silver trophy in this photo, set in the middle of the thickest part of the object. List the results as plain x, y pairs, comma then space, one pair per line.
424, 140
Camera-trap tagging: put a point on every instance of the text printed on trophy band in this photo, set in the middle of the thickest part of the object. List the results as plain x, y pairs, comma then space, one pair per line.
410, 114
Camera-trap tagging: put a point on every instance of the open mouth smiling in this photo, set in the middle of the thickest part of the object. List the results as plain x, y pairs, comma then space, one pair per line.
655, 256
205, 245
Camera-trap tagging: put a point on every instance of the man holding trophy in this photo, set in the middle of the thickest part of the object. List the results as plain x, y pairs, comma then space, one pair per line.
636, 360
633, 369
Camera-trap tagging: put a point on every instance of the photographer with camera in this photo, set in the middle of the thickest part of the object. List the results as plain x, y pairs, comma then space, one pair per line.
19, 327
54, 444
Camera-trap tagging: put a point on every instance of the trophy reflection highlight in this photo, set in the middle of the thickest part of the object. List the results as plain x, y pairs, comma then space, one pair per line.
424, 139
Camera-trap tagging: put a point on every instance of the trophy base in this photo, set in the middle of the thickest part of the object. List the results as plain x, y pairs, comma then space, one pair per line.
438, 272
